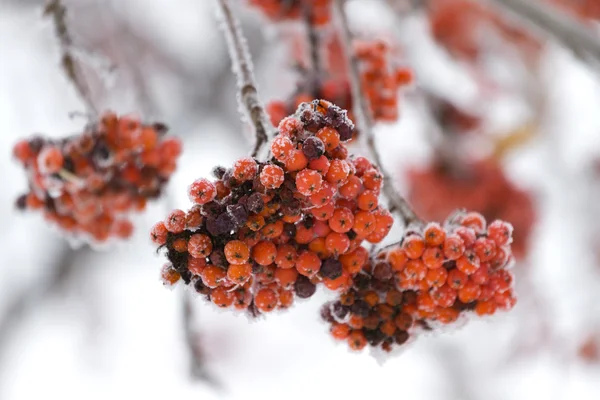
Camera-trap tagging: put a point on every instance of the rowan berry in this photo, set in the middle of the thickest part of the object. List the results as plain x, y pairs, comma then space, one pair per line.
202, 191
159, 233
414, 246
454, 247
212, 276
433, 257
272, 176
308, 182
222, 297
468, 262
337, 243
239, 273
296, 161
50, 160
245, 169
265, 300
281, 147
199, 245
175, 221
308, 263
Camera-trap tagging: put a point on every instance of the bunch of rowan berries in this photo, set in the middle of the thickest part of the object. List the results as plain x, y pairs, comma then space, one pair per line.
266, 232
432, 277
380, 80
88, 184
284, 10
438, 189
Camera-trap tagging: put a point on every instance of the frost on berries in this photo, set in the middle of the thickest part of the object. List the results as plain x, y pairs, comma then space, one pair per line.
88, 184
266, 232
429, 280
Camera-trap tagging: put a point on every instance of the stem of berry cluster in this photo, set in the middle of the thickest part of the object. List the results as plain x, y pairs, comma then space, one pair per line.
559, 25
364, 120
56, 10
246, 82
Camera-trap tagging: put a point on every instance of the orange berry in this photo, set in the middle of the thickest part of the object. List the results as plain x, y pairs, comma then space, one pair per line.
342, 220
255, 222
202, 191
353, 262
434, 235
338, 172
454, 247
199, 245
468, 262
179, 245
159, 232
393, 298
236, 252
324, 195
286, 256
388, 328
337, 243
286, 298
245, 169
169, 276
397, 258
266, 300
296, 161
239, 273
456, 279
323, 213
364, 223
271, 176
308, 182
414, 246
50, 160
444, 296
308, 263
339, 331
485, 308
403, 321
475, 221
367, 200
436, 277
272, 230
281, 147
372, 179
286, 277
321, 165
212, 276
356, 322
433, 257
469, 292
221, 297
415, 270
319, 247
357, 340
196, 265
304, 235
351, 188
264, 253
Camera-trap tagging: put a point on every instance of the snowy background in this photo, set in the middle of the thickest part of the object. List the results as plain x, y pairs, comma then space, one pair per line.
77, 323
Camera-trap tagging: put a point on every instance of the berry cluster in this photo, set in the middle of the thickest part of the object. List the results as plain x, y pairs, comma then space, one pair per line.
380, 81
439, 189
429, 280
266, 232
284, 10
88, 183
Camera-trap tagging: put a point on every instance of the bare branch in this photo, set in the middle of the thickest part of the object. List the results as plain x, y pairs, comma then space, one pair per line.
242, 67
365, 122
313, 40
192, 341
559, 25
56, 10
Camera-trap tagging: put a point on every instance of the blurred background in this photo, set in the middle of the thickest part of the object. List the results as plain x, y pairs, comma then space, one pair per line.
500, 117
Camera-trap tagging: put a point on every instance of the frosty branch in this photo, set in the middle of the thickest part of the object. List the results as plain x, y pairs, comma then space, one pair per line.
56, 10
559, 25
365, 122
246, 82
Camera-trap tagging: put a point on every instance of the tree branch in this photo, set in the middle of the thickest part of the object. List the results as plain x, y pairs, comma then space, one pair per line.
365, 122
242, 68
560, 26
192, 341
56, 10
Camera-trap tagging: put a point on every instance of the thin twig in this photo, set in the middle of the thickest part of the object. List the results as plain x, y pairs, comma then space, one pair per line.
192, 340
559, 25
56, 10
365, 122
313, 40
242, 68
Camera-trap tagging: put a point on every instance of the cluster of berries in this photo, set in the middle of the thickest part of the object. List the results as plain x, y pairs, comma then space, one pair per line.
284, 10
458, 25
427, 281
266, 232
88, 183
439, 189
380, 81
